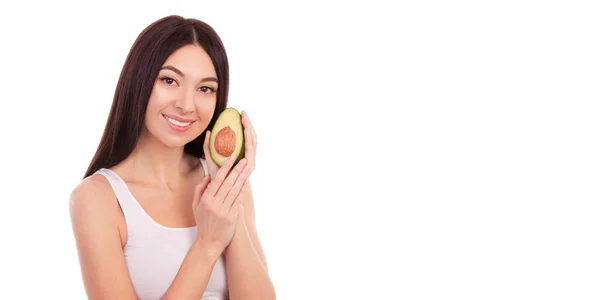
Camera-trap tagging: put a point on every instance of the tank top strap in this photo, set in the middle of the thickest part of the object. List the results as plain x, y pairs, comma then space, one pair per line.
132, 210
204, 166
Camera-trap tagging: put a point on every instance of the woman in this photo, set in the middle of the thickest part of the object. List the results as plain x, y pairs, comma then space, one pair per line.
152, 218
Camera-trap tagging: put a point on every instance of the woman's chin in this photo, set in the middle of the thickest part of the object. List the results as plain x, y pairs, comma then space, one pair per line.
175, 142
174, 139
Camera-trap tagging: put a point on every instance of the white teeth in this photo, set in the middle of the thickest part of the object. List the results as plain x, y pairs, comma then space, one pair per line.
175, 122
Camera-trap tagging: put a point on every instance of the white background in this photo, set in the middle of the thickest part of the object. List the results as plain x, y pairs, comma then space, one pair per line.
426, 150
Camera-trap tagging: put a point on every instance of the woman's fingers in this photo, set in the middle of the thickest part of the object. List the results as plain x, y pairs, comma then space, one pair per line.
212, 167
249, 125
250, 129
237, 202
248, 147
250, 140
221, 175
230, 180
200, 188
235, 189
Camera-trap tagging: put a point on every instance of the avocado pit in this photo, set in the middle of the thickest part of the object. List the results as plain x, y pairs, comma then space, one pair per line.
225, 141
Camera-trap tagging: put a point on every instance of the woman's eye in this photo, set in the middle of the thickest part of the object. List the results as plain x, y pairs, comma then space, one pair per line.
168, 80
207, 89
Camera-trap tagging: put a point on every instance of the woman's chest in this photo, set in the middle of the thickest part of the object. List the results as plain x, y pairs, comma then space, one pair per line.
168, 208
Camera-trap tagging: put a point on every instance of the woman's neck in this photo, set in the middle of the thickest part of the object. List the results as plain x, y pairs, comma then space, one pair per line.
153, 163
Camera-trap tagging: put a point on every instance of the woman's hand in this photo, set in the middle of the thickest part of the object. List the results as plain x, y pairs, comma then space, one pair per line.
216, 204
250, 141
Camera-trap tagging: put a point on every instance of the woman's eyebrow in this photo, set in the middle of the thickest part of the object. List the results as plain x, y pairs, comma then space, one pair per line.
174, 70
182, 75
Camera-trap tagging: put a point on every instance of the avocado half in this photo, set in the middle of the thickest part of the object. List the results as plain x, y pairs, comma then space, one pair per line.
227, 137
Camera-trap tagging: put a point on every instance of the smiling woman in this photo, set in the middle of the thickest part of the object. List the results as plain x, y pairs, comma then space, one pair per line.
187, 80
154, 216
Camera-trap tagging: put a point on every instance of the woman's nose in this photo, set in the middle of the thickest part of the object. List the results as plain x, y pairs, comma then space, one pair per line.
185, 100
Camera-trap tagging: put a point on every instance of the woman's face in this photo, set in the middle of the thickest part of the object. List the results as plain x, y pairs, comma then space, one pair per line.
183, 98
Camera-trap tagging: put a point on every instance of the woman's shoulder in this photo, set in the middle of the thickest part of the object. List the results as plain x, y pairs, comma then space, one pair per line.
91, 198
95, 213
91, 187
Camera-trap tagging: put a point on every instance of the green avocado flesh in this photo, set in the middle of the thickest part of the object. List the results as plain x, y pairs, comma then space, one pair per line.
227, 137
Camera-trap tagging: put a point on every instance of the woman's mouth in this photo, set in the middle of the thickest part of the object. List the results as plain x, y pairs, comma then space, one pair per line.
178, 124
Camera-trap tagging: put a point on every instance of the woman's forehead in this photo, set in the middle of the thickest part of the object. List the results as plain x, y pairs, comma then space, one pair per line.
192, 61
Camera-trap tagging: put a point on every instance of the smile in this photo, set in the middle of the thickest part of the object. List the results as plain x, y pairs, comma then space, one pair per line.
178, 125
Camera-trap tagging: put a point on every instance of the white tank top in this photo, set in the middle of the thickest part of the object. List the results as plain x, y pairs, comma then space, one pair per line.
154, 253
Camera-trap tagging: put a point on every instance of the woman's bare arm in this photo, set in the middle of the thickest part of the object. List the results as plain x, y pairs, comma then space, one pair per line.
194, 273
95, 217
247, 275
248, 203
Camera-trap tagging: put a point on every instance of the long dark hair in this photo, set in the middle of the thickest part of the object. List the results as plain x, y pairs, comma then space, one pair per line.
151, 49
